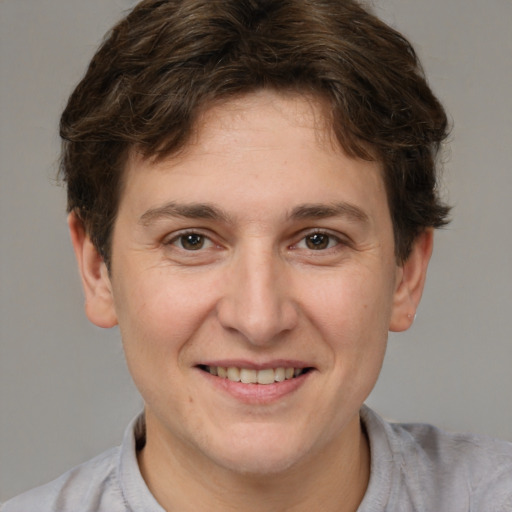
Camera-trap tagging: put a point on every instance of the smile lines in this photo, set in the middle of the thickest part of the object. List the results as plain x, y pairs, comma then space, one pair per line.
251, 376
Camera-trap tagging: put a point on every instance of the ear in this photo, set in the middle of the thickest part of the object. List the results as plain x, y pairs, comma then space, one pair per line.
99, 301
410, 282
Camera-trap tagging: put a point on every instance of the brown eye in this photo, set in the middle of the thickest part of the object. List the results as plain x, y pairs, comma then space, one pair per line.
317, 241
191, 241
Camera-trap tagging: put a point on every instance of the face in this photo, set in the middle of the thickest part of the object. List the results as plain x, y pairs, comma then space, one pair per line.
254, 282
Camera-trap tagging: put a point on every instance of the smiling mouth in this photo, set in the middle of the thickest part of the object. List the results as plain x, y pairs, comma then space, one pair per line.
251, 376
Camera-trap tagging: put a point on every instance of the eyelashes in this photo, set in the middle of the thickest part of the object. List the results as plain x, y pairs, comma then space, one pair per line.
318, 241
195, 241
191, 241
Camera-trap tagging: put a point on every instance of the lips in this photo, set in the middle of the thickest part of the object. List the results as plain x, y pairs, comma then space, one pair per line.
256, 384
254, 376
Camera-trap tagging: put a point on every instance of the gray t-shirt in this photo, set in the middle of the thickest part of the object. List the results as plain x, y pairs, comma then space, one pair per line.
414, 468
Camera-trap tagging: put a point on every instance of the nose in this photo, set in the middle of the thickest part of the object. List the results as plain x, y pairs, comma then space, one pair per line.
257, 301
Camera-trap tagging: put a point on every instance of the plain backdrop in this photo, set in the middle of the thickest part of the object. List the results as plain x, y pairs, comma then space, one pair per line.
65, 394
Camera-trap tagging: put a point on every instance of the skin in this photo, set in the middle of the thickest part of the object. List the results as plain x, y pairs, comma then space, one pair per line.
254, 291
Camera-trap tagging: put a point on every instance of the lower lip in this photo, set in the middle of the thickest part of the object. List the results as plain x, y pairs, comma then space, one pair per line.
257, 393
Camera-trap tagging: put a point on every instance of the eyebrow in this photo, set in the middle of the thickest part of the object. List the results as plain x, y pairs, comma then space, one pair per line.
209, 212
188, 211
322, 211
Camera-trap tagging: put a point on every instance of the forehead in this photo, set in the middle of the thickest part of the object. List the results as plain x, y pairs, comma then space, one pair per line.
267, 109
263, 144
220, 121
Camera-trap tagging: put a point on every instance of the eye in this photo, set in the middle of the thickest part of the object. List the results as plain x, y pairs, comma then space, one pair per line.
191, 241
319, 241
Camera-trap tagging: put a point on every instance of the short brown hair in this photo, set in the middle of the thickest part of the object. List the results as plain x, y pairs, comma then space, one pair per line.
168, 60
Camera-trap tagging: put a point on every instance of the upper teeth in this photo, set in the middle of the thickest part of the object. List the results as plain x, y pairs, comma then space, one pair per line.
249, 376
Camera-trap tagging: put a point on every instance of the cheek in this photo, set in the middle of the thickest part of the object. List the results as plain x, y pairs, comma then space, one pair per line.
354, 303
157, 318
353, 314
157, 323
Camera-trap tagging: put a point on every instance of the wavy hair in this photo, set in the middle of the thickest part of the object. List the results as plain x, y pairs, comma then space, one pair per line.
168, 60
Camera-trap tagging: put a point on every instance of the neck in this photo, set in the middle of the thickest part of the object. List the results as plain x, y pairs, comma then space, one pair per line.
333, 480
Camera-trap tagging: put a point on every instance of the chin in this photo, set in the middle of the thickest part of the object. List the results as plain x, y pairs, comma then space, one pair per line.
259, 465
261, 455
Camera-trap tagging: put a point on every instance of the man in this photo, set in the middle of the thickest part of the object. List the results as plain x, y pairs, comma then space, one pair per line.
252, 198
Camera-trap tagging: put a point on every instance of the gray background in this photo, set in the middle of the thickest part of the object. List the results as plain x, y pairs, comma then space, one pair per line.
64, 392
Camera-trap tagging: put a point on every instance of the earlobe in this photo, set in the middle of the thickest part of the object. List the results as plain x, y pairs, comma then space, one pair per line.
410, 282
99, 301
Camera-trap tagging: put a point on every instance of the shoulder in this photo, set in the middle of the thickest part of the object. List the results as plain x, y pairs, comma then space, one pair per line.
470, 467
92, 486
110, 482
433, 467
